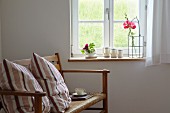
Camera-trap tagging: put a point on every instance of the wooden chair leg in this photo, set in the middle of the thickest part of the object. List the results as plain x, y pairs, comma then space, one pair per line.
38, 104
105, 91
105, 106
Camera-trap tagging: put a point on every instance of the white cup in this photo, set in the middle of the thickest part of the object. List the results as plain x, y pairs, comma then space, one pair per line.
120, 53
106, 52
80, 91
113, 53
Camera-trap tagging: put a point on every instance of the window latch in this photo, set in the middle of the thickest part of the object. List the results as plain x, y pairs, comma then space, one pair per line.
108, 13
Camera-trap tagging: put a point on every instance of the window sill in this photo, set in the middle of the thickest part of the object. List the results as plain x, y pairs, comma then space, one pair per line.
98, 59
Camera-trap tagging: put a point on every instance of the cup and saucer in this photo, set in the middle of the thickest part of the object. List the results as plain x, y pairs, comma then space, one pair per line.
79, 92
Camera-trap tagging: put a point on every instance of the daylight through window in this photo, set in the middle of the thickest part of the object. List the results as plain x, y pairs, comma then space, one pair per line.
101, 22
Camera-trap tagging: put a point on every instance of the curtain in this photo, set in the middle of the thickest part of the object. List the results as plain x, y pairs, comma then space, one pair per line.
158, 32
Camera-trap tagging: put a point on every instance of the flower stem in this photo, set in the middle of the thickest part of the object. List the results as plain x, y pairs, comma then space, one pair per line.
133, 45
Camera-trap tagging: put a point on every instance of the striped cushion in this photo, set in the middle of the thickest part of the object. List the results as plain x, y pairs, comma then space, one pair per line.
52, 82
18, 78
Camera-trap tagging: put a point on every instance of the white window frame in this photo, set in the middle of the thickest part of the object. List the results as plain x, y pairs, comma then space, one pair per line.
108, 16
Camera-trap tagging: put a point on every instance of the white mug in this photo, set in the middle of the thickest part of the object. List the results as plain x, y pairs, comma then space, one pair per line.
80, 91
120, 53
106, 52
113, 53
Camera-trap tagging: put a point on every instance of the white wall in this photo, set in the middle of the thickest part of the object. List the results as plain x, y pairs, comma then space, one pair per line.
42, 26
34, 26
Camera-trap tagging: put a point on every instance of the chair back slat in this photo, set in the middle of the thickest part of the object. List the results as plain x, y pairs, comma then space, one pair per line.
58, 67
54, 59
24, 62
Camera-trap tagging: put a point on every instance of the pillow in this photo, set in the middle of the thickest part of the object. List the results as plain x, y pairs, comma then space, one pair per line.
52, 82
2, 110
15, 77
1, 107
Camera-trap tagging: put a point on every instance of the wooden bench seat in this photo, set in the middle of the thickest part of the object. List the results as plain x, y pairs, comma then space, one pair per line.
75, 106
78, 106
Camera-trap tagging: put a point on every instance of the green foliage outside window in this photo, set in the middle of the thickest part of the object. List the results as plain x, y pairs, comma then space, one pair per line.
94, 10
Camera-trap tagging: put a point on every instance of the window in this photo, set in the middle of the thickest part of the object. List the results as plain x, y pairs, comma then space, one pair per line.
101, 22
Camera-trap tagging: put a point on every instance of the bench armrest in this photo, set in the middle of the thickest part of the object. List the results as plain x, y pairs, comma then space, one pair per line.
22, 93
86, 71
104, 74
37, 95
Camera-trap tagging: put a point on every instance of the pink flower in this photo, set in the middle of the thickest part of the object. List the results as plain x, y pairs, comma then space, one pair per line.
132, 25
127, 24
86, 47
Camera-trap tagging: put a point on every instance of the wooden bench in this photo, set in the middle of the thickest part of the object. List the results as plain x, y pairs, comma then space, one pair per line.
75, 106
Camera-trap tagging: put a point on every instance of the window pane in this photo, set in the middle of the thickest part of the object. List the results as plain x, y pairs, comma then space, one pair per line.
91, 33
130, 7
121, 35
91, 9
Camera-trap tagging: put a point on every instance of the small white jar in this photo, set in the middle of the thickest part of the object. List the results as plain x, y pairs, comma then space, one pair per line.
106, 52
113, 53
120, 53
